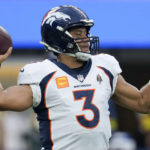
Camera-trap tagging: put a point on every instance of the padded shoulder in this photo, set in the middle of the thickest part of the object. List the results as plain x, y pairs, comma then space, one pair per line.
34, 72
107, 61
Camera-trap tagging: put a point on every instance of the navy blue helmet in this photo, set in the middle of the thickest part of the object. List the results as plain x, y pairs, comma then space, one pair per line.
55, 35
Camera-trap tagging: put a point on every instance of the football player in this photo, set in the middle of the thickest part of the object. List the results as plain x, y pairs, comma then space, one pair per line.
70, 95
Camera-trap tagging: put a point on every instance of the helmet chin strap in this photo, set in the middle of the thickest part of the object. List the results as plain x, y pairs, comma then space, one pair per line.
83, 56
79, 55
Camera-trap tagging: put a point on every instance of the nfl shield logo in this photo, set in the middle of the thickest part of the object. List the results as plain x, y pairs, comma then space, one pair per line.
80, 77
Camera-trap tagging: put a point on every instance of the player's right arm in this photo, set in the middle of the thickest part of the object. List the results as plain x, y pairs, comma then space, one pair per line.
16, 98
5, 56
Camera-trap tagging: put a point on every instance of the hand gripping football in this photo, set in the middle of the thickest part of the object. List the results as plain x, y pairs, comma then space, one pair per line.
5, 41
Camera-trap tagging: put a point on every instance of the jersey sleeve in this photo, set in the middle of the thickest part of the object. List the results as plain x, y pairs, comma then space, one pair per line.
112, 64
29, 74
115, 69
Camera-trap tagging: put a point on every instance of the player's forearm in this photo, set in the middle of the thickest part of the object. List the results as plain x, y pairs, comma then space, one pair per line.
145, 92
131, 102
128, 96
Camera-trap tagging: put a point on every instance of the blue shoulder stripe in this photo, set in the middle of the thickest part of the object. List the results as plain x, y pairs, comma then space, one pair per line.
43, 115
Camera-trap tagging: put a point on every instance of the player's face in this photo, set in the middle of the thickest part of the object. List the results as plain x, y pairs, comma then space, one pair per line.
80, 35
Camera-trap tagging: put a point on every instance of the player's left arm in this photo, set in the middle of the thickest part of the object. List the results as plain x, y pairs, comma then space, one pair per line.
128, 96
145, 92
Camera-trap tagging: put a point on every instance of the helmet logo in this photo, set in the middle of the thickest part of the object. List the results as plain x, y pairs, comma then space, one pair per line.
51, 17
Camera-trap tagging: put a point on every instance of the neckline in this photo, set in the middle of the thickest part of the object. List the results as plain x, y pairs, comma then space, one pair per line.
83, 70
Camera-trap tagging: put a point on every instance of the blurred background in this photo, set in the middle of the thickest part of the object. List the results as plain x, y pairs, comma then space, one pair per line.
124, 31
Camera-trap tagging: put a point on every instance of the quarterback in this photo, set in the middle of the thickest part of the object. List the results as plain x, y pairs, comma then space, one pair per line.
70, 95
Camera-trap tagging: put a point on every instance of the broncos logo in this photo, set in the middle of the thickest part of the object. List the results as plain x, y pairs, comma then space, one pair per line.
51, 17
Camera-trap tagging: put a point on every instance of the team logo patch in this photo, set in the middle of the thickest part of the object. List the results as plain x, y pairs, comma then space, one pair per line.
99, 79
62, 82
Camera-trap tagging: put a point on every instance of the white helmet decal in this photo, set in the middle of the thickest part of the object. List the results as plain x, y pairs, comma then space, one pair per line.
51, 17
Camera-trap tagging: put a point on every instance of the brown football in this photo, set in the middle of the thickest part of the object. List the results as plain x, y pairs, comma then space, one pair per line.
5, 41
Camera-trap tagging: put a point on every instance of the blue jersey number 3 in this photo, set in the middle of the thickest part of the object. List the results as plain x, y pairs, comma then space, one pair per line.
87, 95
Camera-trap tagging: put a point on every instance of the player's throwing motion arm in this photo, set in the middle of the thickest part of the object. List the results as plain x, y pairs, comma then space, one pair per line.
16, 98
131, 98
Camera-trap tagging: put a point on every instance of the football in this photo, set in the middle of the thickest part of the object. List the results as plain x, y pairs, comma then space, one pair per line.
5, 41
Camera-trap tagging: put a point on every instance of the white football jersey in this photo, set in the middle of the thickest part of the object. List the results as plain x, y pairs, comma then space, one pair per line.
72, 104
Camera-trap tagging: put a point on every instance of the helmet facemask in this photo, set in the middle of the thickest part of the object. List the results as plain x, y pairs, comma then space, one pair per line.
93, 42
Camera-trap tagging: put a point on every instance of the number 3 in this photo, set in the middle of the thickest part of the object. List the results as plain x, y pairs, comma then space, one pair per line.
88, 105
